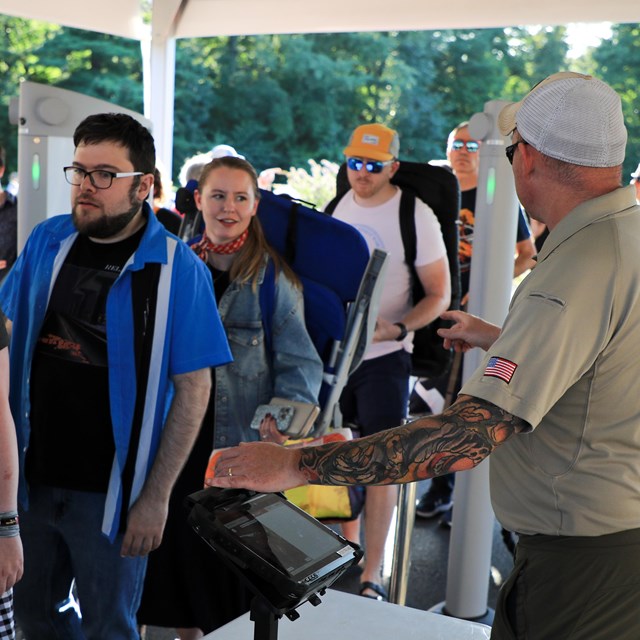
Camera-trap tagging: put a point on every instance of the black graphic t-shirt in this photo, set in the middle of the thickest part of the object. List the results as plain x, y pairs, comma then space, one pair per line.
71, 444
466, 230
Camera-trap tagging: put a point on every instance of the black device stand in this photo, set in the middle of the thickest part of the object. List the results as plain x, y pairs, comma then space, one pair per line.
264, 619
251, 532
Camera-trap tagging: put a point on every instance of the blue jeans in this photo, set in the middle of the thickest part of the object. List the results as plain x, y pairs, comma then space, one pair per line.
62, 539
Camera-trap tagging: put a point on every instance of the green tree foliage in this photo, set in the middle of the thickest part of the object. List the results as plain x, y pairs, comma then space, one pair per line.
96, 64
616, 62
281, 100
19, 41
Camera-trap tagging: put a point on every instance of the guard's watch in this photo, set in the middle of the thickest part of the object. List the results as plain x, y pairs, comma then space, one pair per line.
403, 331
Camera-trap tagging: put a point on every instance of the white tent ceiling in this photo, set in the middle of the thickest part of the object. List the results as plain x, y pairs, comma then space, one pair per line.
189, 18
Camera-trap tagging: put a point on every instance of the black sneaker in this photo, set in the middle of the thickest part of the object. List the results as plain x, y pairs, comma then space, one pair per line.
432, 503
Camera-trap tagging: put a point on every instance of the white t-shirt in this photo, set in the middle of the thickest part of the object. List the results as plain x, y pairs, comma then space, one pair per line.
380, 227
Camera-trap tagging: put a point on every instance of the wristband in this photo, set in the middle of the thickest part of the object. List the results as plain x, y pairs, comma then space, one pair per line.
9, 527
8, 518
9, 531
9, 521
403, 331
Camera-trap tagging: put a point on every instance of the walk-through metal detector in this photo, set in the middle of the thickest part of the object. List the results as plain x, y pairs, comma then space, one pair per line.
490, 291
47, 117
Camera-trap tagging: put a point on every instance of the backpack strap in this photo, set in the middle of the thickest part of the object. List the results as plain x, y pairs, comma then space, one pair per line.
267, 302
292, 233
408, 229
332, 204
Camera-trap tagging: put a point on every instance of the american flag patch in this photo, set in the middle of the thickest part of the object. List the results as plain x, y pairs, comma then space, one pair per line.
500, 368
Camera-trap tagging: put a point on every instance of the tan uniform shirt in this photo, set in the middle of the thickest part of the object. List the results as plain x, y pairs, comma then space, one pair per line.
568, 362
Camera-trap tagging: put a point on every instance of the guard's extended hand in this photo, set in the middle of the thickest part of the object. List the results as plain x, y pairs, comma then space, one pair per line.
260, 466
467, 331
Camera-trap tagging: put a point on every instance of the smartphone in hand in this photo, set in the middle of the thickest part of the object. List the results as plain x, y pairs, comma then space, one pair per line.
282, 414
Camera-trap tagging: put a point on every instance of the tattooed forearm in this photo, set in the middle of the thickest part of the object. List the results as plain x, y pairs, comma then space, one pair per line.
459, 439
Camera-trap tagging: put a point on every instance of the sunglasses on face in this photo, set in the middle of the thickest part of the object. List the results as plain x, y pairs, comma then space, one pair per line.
471, 145
372, 166
511, 149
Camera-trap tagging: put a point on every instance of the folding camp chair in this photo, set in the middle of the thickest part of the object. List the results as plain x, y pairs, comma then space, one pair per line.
341, 284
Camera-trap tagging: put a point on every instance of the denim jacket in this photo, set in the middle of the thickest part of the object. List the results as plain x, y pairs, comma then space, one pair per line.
293, 370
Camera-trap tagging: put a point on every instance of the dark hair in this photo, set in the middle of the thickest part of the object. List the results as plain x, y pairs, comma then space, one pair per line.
3, 157
123, 130
158, 190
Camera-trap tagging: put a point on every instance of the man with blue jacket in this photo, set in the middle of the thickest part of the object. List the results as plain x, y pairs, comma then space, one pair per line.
115, 329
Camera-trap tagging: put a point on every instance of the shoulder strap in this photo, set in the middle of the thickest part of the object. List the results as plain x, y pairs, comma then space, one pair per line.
331, 206
409, 241
292, 234
267, 302
408, 228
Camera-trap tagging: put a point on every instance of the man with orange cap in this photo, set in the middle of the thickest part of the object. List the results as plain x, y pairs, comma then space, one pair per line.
376, 395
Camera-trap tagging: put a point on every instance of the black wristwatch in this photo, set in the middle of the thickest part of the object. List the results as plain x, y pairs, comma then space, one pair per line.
403, 331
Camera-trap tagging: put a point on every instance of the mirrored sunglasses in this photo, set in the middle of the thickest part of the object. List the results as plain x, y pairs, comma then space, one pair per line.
372, 166
472, 145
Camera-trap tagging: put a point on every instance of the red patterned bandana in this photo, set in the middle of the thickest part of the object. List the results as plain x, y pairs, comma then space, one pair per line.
205, 246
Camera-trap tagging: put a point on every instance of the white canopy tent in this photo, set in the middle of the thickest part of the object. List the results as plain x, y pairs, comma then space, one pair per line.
172, 19
193, 18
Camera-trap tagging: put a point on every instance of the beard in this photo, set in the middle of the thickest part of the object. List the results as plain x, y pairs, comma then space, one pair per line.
106, 226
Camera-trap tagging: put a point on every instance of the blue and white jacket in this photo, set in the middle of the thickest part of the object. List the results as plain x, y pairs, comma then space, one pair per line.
188, 336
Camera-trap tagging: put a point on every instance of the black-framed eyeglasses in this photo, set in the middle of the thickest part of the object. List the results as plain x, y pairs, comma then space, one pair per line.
100, 178
372, 166
471, 145
511, 149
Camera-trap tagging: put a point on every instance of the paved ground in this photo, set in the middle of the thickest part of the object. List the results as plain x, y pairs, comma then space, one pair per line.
428, 572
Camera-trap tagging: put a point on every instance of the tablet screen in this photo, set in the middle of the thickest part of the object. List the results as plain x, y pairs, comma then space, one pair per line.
283, 535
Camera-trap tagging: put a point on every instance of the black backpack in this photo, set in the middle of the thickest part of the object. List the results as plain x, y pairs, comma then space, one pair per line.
438, 188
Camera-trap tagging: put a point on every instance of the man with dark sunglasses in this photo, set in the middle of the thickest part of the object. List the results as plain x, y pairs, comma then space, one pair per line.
377, 393
430, 396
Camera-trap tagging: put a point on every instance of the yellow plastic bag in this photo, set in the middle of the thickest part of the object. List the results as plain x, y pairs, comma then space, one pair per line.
333, 504
327, 503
